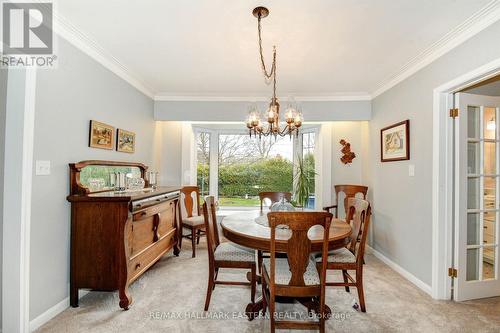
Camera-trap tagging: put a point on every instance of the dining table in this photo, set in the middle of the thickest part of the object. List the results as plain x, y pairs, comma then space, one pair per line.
250, 229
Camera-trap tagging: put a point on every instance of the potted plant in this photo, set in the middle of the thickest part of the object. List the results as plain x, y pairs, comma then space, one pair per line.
303, 179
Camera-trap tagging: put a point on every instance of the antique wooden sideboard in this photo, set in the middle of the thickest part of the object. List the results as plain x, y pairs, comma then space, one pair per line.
116, 237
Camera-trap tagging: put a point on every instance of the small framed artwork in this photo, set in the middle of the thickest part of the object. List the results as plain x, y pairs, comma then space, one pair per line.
395, 142
101, 135
125, 141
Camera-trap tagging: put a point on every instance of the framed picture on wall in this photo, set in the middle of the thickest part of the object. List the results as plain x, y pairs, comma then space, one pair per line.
395, 142
101, 135
125, 141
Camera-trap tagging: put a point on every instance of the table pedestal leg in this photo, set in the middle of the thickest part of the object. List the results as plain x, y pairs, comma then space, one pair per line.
312, 304
258, 277
253, 309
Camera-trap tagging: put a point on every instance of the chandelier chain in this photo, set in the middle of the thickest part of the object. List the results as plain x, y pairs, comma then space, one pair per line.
272, 73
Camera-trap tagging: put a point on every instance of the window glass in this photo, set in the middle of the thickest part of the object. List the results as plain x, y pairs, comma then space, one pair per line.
203, 165
308, 146
248, 166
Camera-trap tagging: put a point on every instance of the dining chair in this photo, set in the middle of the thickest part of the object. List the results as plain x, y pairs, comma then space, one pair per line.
351, 257
224, 255
350, 191
190, 216
297, 275
274, 197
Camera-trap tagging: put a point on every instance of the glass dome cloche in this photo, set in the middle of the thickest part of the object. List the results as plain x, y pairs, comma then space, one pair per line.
282, 206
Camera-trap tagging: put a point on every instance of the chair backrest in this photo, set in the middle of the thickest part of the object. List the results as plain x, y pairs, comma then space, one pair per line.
274, 197
211, 228
358, 215
299, 244
350, 191
190, 201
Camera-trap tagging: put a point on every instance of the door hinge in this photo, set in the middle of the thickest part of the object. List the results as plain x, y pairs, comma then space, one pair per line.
453, 113
452, 272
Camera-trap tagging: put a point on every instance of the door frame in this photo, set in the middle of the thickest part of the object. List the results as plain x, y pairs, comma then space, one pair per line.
18, 171
442, 175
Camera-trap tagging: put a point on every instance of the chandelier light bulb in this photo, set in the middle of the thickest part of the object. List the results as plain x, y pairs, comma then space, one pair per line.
256, 119
298, 120
290, 115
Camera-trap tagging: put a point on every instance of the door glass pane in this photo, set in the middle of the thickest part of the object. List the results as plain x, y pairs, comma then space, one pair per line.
472, 264
473, 229
472, 158
473, 193
203, 167
489, 192
481, 193
489, 123
488, 263
489, 228
489, 158
473, 122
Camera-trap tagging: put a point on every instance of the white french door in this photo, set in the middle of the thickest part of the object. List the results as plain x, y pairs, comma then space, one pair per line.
477, 193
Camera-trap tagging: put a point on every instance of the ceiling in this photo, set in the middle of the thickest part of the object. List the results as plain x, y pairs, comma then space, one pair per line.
209, 47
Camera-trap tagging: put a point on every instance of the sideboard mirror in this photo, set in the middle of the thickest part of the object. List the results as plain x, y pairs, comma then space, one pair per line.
94, 176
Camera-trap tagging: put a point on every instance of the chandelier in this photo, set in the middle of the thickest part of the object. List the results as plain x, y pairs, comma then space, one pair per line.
293, 117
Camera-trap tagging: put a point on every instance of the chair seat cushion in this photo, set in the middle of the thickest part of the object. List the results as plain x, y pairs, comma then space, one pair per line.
232, 252
283, 273
193, 220
342, 255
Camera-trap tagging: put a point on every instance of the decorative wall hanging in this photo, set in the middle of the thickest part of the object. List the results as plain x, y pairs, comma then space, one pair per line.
101, 135
347, 154
395, 142
125, 141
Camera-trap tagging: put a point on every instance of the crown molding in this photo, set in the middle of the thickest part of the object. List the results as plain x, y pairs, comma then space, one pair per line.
192, 98
479, 21
83, 42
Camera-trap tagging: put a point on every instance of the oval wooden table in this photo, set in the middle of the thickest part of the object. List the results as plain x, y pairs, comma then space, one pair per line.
242, 229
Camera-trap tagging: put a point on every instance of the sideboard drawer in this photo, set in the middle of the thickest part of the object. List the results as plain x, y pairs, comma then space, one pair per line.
147, 257
151, 211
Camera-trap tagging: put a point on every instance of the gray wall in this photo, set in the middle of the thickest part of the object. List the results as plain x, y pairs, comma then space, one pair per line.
68, 97
3, 101
236, 111
171, 153
402, 224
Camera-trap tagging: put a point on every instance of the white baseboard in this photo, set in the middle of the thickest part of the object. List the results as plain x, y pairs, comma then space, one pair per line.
403, 272
53, 311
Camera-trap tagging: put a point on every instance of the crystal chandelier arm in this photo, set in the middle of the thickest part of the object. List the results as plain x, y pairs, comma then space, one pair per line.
286, 130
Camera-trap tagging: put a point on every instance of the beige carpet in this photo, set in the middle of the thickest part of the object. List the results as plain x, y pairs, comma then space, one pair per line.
175, 288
